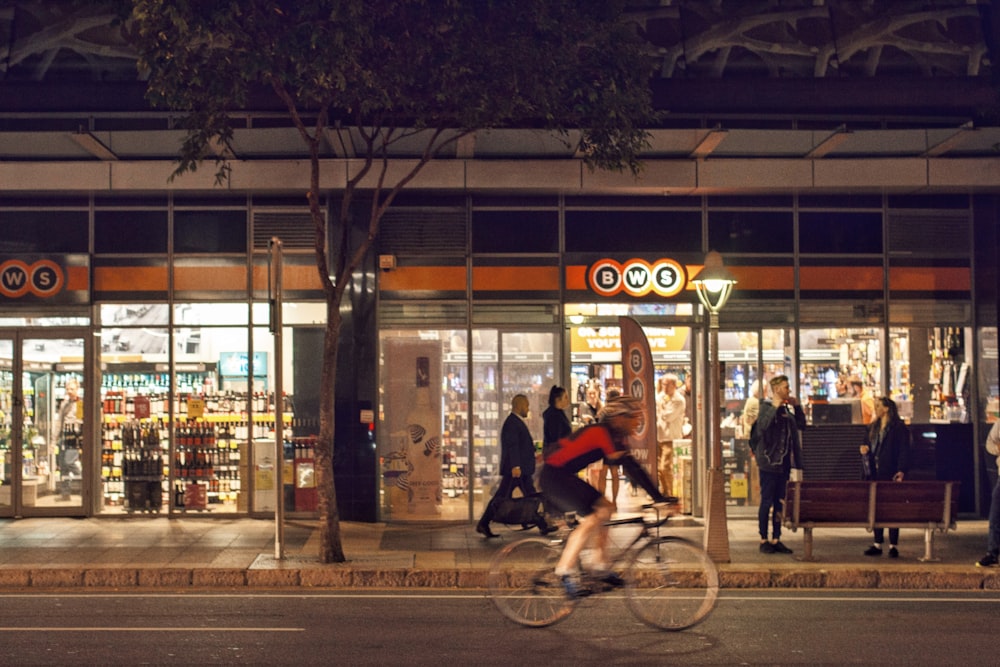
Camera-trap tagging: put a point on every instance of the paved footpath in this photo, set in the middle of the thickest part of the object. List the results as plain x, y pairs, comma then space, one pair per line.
191, 553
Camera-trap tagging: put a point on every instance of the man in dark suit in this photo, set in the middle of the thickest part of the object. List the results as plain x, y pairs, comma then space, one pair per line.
517, 465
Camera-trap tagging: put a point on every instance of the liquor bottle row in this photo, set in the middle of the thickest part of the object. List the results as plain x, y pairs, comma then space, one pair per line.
117, 464
123, 402
205, 464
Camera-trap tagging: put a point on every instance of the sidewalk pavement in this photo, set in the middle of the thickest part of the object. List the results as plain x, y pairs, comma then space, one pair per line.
161, 553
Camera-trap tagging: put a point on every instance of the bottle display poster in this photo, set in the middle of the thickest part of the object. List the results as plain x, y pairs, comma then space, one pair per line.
411, 455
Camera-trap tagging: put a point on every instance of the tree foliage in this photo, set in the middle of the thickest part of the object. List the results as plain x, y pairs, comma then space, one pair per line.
431, 71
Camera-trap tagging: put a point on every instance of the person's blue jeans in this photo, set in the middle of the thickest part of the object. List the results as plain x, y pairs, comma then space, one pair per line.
772, 497
994, 522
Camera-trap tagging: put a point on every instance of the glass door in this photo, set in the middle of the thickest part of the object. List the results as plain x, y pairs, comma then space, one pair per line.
43, 434
8, 456
506, 363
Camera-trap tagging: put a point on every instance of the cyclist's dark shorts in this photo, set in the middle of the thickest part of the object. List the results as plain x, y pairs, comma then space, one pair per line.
566, 492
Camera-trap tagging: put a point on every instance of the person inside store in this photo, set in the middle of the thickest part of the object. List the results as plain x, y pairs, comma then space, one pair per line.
886, 456
555, 421
751, 408
517, 465
607, 470
670, 411
70, 438
993, 536
776, 444
592, 406
860, 392
565, 491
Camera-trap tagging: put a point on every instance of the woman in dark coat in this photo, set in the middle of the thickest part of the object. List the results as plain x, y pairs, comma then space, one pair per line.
555, 422
885, 457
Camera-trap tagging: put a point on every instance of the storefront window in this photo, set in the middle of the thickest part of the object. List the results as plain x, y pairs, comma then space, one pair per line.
179, 437
839, 374
433, 457
989, 385
426, 424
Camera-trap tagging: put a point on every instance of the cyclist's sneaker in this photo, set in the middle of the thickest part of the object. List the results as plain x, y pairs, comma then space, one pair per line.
989, 560
611, 579
572, 587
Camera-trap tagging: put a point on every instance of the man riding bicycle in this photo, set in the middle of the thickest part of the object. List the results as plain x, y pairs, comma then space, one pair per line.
565, 491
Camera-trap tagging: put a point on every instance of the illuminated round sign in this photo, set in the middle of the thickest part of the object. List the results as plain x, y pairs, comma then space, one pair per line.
637, 277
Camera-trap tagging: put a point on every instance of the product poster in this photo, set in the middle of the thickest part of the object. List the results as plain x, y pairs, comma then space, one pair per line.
411, 455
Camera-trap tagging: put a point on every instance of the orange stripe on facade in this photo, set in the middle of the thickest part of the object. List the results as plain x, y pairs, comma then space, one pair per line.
912, 278
130, 279
841, 278
77, 278
224, 278
576, 277
296, 277
515, 278
430, 278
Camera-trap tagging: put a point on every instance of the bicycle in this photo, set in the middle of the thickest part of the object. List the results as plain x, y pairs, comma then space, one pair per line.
670, 583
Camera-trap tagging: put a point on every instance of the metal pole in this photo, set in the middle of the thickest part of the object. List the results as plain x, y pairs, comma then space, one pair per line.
716, 529
279, 402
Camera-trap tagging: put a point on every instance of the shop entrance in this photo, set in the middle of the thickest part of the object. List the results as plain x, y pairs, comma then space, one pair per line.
748, 360
44, 466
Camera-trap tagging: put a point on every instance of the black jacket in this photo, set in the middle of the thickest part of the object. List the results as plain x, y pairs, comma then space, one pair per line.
555, 427
517, 449
889, 449
775, 438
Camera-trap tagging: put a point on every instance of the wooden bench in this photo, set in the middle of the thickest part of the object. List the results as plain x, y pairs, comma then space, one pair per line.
928, 505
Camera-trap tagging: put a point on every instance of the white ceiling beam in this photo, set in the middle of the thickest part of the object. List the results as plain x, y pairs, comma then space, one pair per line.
93, 145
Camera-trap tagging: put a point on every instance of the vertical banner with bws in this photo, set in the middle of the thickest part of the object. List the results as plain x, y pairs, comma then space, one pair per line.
637, 361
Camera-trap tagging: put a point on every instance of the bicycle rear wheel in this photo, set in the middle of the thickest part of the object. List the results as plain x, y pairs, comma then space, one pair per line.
671, 584
523, 583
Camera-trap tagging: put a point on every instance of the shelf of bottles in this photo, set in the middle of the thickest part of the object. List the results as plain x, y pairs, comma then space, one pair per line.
208, 464
6, 407
132, 464
455, 436
948, 375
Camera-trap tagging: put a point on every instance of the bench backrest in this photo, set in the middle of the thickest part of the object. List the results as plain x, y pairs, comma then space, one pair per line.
915, 502
852, 502
828, 501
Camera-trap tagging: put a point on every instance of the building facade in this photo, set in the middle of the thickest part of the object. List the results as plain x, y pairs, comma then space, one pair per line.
850, 183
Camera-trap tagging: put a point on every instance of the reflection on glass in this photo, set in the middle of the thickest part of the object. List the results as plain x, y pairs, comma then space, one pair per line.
135, 314
211, 313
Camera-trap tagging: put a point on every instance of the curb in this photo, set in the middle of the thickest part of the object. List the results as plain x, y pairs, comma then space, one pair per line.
338, 576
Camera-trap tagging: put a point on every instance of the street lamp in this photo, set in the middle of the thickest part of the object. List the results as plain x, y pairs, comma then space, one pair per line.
714, 283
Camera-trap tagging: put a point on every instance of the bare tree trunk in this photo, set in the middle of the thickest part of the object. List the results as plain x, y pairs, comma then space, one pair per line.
331, 548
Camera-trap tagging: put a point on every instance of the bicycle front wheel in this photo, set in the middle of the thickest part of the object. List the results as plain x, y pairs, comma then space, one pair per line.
523, 582
671, 584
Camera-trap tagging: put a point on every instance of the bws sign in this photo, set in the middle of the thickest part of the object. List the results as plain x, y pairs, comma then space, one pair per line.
43, 278
637, 277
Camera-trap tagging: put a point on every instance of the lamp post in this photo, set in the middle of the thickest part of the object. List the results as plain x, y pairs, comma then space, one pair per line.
714, 283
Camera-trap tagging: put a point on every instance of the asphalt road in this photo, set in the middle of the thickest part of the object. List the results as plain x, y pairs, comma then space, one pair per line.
462, 628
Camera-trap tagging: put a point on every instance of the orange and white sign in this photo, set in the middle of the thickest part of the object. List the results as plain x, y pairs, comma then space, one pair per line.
42, 278
637, 277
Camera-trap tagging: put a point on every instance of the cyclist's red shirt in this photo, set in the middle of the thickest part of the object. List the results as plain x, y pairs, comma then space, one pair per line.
578, 450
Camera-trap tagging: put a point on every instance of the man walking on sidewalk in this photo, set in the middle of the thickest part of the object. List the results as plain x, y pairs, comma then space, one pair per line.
517, 465
993, 542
